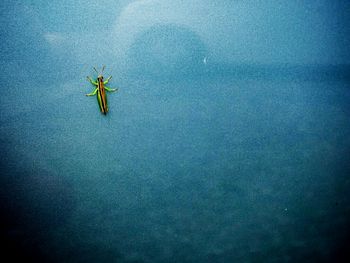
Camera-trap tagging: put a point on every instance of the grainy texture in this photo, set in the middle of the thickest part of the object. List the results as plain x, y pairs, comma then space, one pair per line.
228, 140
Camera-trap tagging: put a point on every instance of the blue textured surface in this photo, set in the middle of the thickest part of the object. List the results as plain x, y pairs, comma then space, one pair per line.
228, 140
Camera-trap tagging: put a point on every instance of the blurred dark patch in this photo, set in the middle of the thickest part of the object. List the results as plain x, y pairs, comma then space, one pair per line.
166, 51
33, 202
92, 253
342, 252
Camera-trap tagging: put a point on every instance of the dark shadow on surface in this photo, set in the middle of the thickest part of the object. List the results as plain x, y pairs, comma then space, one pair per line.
33, 203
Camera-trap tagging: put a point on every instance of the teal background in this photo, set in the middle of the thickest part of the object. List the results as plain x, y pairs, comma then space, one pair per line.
228, 140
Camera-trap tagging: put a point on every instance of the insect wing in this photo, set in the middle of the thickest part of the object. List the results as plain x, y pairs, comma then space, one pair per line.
102, 98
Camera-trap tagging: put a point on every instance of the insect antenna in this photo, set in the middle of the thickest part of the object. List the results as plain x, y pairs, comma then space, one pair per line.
103, 68
95, 70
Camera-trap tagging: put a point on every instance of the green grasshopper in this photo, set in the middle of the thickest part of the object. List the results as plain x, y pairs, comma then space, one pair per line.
101, 90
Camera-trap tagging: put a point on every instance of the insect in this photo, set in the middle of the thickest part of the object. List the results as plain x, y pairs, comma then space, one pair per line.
101, 90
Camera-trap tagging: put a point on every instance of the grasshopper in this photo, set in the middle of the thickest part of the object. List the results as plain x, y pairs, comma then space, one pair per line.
101, 90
